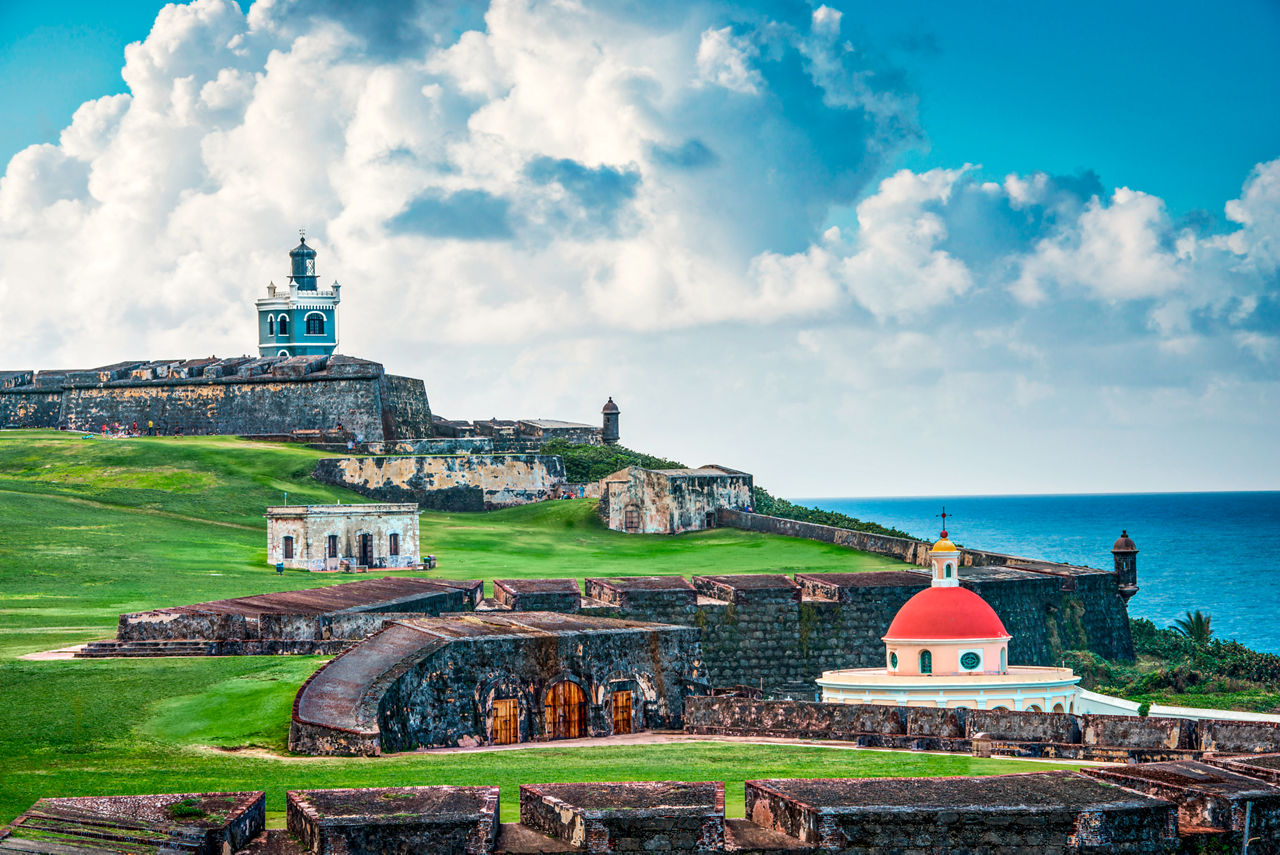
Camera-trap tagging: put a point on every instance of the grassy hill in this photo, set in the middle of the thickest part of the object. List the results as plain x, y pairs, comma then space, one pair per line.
97, 527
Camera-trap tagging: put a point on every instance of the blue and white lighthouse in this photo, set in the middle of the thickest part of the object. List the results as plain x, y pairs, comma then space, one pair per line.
302, 320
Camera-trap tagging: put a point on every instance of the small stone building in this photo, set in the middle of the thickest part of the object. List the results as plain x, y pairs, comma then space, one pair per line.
326, 537
670, 501
489, 678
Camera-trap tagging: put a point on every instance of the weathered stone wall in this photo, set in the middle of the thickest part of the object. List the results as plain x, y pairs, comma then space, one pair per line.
243, 396
335, 626
1048, 608
243, 406
422, 706
450, 483
1026, 734
30, 408
770, 639
668, 503
405, 411
628, 818
1053, 812
438, 820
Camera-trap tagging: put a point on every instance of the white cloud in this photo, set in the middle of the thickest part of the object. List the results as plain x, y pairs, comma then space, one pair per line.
725, 60
567, 200
1116, 251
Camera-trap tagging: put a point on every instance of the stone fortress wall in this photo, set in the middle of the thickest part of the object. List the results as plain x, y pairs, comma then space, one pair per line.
780, 633
1008, 733
272, 396
450, 482
772, 632
1225, 805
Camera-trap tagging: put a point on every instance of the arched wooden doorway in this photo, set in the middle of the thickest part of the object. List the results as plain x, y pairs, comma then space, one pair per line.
566, 710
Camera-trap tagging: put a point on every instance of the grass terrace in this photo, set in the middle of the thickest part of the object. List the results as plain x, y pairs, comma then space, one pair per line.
97, 527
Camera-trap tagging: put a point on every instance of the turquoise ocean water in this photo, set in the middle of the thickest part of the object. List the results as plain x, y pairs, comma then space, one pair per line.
1217, 552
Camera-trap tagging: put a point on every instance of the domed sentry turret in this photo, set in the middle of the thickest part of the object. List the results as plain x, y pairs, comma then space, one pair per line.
302, 264
1125, 553
609, 433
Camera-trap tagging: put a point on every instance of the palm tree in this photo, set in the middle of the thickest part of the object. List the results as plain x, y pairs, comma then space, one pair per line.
1194, 626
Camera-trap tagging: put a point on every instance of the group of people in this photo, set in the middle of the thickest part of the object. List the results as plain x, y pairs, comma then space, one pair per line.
115, 430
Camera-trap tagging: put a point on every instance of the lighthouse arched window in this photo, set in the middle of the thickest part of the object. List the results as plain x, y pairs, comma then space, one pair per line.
315, 324
271, 325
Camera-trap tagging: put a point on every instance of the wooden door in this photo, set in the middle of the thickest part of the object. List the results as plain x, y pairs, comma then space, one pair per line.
506, 721
622, 711
566, 711
366, 550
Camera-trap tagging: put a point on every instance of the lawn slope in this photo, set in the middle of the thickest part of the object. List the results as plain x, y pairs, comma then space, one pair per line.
92, 528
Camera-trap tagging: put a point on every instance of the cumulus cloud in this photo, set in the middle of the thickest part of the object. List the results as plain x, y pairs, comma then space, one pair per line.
636, 197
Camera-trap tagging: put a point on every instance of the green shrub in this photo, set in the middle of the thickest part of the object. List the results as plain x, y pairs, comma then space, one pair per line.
770, 505
186, 809
1144, 709
584, 463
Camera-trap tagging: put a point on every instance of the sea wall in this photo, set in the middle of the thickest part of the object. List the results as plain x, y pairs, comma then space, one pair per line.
1048, 608
780, 639
471, 482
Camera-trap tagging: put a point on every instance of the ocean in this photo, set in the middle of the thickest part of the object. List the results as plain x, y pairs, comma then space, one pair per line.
1216, 552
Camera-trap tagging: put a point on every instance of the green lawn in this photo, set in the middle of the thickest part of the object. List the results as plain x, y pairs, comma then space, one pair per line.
93, 528
125, 726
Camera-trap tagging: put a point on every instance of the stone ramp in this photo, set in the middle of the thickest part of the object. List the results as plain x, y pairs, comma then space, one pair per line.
335, 711
359, 595
174, 824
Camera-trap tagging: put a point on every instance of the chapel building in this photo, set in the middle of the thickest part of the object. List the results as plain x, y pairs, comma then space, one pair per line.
946, 647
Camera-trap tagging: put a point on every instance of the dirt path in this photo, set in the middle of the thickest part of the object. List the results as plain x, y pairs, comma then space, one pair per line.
664, 737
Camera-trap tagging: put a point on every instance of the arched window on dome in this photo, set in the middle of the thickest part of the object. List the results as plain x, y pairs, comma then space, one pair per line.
893, 660
315, 324
926, 662
1003, 667
283, 326
946, 570
271, 325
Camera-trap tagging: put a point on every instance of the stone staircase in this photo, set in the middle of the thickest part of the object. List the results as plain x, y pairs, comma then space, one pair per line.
50, 832
142, 649
175, 824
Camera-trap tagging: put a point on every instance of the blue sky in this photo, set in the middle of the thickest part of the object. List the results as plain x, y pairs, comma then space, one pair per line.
1149, 95
833, 244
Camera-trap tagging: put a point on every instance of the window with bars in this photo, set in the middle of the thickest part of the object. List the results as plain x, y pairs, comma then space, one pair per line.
631, 518
333, 546
393, 544
288, 547
315, 324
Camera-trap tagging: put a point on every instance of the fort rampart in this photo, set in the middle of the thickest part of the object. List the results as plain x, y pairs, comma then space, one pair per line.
1147, 809
1108, 738
275, 396
465, 482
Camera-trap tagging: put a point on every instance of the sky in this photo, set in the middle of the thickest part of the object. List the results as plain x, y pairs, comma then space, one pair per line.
856, 249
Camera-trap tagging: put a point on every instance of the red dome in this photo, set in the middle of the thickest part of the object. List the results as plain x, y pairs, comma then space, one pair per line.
945, 613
